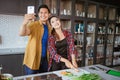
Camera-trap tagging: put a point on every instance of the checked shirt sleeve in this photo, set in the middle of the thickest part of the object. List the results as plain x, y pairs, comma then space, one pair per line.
52, 49
72, 49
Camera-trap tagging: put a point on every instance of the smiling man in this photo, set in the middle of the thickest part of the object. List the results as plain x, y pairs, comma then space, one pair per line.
36, 54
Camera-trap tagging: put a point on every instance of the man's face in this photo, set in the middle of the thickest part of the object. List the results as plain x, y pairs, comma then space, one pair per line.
43, 14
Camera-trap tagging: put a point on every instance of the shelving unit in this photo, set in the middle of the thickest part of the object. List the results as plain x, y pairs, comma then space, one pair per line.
80, 8
100, 43
109, 49
65, 7
91, 10
112, 13
103, 12
94, 29
52, 4
116, 48
90, 37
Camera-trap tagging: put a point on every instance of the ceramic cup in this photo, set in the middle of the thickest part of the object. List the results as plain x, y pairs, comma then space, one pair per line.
6, 76
88, 40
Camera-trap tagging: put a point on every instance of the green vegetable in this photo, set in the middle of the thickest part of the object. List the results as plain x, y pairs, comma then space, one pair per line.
88, 77
69, 74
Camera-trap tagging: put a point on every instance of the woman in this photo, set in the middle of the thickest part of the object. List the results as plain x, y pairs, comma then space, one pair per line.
61, 47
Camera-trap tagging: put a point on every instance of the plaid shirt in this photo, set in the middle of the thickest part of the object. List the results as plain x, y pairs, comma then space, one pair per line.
53, 51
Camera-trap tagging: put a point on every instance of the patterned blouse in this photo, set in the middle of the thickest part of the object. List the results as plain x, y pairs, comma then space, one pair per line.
53, 51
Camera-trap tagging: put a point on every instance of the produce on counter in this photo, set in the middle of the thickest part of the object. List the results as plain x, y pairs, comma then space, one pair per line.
82, 75
66, 73
91, 76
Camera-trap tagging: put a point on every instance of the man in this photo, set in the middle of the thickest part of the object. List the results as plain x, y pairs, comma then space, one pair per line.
36, 54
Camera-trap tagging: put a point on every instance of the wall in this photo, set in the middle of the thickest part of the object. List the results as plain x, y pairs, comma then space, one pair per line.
9, 37
12, 46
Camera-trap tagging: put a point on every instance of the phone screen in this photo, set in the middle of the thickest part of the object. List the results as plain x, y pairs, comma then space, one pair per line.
30, 9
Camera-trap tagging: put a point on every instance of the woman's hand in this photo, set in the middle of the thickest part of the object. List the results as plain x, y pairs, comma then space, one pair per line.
74, 63
68, 64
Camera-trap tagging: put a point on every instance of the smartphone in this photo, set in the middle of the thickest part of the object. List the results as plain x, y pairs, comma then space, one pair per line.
30, 9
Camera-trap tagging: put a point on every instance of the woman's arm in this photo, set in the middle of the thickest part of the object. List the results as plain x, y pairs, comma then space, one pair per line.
68, 64
52, 49
71, 44
72, 50
74, 62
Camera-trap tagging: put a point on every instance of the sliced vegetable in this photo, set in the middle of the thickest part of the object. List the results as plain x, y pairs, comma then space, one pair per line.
88, 77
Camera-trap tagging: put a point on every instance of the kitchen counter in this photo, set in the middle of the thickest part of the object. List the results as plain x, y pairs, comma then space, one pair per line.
101, 72
98, 69
8, 51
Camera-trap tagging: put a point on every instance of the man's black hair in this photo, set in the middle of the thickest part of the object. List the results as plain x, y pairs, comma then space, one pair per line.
43, 6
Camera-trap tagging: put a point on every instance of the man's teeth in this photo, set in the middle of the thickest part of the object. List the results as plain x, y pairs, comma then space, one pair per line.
43, 17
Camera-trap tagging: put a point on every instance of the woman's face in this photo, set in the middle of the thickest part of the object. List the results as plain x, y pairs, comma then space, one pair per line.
55, 22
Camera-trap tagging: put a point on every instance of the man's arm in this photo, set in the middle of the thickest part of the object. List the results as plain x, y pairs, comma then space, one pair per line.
24, 30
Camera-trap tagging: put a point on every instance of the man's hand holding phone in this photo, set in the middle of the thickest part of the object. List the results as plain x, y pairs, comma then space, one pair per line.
30, 16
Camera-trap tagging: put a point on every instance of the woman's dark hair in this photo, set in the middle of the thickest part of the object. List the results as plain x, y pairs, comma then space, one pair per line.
43, 6
53, 32
49, 19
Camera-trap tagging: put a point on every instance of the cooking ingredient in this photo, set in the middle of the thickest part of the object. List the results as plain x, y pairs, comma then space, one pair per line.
91, 76
66, 73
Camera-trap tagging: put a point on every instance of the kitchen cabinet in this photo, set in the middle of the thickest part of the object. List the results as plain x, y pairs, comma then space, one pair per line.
116, 48
100, 43
105, 38
16, 6
116, 40
92, 25
52, 4
109, 48
12, 64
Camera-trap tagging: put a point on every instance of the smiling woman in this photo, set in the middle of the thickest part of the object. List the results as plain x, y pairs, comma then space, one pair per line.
61, 47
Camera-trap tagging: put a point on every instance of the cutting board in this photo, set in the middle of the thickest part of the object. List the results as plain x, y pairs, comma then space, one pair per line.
81, 72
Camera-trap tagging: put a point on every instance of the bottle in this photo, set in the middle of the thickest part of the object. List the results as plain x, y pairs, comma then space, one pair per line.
79, 28
116, 29
54, 11
77, 13
91, 52
1, 72
76, 28
65, 12
82, 28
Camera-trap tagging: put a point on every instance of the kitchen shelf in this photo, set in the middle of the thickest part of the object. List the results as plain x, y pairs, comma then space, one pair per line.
93, 27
